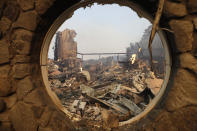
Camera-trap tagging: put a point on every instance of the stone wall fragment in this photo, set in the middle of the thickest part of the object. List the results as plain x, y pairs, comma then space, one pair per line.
21, 70
183, 92
11, 11
26, 4
4, 51
22, 118
43, 5
174, 9
183, 31
24, 87
188, 61
27, 20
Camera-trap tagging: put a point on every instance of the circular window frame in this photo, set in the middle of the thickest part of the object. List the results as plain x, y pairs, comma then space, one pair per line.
68, 14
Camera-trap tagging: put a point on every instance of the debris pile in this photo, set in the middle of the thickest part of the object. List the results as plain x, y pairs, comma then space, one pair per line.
102, 92
123, 92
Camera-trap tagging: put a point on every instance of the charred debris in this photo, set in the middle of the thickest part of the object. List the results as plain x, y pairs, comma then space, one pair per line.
121, 85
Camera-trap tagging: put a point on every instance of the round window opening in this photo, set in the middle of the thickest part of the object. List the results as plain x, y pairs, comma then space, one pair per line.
98, 63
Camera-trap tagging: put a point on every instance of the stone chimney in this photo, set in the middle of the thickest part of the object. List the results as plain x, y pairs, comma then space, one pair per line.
65, 46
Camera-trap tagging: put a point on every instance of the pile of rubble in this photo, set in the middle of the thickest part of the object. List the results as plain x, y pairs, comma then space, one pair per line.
123, 93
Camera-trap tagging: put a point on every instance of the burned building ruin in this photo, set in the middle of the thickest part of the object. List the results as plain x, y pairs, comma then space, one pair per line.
66, 50
65, 46
89, 88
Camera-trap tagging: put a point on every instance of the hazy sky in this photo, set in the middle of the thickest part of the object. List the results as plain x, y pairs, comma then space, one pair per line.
104, 28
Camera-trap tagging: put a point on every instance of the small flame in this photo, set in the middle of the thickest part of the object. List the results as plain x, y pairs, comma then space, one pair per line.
140, 49
133, 58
